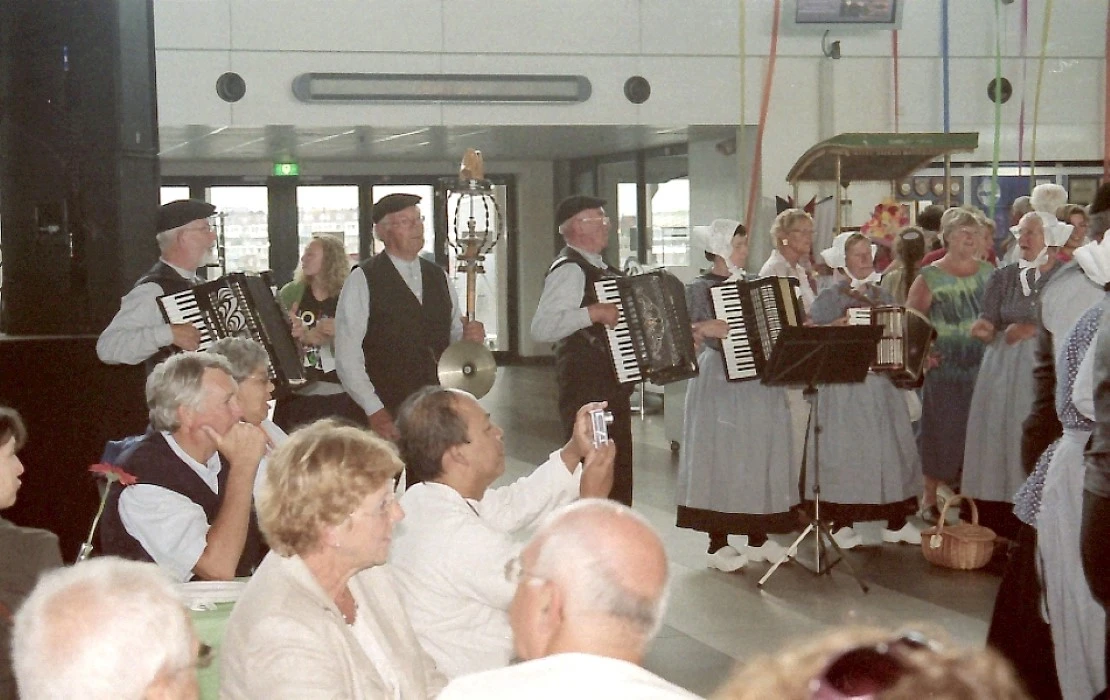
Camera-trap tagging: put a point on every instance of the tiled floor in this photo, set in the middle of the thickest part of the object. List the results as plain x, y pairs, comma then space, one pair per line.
716, 619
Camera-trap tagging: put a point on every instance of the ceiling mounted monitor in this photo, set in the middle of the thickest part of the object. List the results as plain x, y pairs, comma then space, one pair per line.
852, 15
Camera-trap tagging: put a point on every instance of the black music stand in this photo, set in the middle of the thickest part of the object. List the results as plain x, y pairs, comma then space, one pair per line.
811, 356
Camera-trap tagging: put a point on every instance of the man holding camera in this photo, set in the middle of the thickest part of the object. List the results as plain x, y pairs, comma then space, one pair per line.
570, 316
458, 535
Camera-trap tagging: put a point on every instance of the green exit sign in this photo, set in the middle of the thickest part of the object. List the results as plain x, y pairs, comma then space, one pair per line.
286, 169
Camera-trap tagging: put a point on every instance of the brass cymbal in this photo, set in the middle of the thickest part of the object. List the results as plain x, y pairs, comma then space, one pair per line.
468, 366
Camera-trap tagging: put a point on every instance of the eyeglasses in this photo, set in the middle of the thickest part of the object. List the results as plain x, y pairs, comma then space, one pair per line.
407, 222
515, 573
863, 672
592, 219
380, 510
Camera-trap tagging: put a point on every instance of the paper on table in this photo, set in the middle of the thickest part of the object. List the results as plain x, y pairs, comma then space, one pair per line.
204, 595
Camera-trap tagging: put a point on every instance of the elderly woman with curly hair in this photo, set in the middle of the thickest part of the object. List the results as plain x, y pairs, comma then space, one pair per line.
311, 299
321, 616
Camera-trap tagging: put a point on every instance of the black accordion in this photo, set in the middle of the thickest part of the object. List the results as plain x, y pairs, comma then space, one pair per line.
904, 346
756, 313
240, 305
652, 340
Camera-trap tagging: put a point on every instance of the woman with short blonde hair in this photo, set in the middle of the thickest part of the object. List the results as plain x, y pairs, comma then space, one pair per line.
321, 616
792, 234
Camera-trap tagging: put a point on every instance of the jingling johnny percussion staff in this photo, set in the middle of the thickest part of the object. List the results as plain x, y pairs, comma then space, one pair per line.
476, 226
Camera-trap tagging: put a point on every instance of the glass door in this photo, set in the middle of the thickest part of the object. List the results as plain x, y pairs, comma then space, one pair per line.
245, 212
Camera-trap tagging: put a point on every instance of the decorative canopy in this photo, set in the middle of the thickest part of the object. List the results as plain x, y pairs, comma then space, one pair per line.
882, 156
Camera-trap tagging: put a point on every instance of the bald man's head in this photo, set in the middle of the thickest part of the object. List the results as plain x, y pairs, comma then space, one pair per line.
610, 570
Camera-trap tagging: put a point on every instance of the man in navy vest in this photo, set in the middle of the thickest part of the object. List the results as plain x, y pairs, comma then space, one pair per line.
138, 332
396, 315
570, 316
191, 511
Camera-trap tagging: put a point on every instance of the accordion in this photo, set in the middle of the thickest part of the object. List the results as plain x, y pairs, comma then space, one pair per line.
756, 313
240, 305
652, 339
904, 346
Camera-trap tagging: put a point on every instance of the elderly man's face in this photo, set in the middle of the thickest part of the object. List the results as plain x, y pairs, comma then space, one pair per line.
591, 230
219, 407
196, 238
402, 232
484, 450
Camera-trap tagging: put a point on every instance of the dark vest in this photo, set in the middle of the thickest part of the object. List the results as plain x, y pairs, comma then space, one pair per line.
153, 462
171, 283
582, 358
404, 337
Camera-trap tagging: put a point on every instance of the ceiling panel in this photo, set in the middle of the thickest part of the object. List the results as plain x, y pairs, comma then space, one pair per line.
277, 142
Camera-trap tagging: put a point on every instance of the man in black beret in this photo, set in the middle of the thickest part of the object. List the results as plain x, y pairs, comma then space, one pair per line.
396, 315
138, 332
570, 316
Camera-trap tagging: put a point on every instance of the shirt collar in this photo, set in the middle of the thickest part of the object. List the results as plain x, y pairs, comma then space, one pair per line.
594, 259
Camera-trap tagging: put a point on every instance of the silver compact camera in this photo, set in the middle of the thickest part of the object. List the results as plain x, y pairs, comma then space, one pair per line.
600, 420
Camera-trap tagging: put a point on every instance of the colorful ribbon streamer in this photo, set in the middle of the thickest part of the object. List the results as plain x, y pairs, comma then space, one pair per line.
765, 101
1037, 95
1024, 82
894, 56
997, 104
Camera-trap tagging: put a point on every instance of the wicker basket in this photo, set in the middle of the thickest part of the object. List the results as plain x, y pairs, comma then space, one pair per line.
963, 546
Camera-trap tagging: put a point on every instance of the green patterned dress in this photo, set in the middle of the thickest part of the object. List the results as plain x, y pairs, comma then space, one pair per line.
946, 394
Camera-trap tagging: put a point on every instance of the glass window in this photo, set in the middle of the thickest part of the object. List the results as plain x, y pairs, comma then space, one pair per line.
670, 222
328, 209
246, 236
172, 194
424, 205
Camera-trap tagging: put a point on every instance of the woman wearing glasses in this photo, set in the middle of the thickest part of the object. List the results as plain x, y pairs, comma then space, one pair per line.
321, 616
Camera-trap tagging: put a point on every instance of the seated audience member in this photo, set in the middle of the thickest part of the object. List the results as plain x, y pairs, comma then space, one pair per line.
250, 370
591, 587
25, 552
451, 551
106, 629
861, 662
928, 219
191, 512
321, 617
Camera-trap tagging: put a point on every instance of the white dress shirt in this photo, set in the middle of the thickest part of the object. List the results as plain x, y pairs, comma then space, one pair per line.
352, 315
569, 675
138, 329
560, 311
449, 556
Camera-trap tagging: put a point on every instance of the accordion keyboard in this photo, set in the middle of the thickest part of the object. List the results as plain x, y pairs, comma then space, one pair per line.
620, 337
183, 308
736, 348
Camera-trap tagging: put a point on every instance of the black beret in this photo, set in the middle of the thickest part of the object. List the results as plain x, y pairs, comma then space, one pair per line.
392, 203
181, 212
574, 204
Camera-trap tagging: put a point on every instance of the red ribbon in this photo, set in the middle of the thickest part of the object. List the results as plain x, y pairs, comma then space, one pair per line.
768, 79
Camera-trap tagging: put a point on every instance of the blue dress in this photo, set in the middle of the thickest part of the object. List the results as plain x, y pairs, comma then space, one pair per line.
870, 467
735, 474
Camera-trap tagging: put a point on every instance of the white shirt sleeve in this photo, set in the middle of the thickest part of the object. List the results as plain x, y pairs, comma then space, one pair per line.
137, 331
1083, 390
170, 527
560, 311
456, 311
520, 505
352, 314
